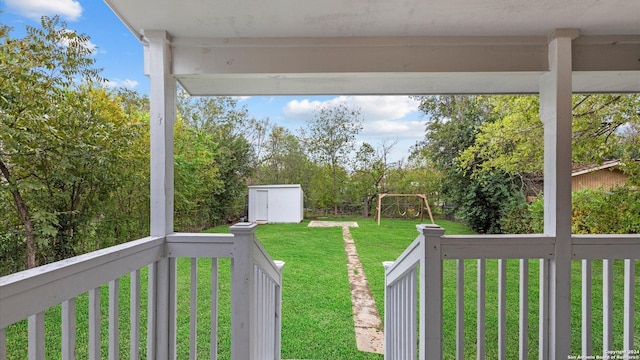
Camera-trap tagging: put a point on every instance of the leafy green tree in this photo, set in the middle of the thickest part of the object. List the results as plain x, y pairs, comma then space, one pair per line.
598, 123
510, 145
514, 141
40, 72
283, 159
330, 138
370, 169
454, 124
630, 141
232, 130
125, 214
197, 176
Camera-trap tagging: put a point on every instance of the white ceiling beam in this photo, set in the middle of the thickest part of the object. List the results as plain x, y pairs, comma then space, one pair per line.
362, 84
401, 84
346, 55
396, 54
606, 53
397, 65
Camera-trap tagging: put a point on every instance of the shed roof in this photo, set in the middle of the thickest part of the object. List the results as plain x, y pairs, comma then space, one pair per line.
275, 186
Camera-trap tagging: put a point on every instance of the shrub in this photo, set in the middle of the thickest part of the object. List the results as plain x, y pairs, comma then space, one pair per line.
615, 211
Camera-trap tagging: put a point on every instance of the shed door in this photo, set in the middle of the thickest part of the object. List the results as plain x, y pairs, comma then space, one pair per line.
262, 205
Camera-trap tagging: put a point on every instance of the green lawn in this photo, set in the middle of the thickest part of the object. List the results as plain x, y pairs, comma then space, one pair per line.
317, 320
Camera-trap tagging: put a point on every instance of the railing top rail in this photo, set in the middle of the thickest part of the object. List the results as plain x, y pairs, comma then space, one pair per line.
35, 290
498, 239
409, 259
40, 275
614, 239
200, 237
267, 264
200, 245
605, 246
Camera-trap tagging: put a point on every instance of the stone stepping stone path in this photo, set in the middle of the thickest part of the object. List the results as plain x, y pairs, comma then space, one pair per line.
366, 319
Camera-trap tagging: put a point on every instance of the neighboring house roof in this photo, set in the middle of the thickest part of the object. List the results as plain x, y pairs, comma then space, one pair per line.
609, 164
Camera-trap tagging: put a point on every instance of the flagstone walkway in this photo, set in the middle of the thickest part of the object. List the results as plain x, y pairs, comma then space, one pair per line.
366, 319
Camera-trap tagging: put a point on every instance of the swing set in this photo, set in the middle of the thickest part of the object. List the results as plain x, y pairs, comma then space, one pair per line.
410, 210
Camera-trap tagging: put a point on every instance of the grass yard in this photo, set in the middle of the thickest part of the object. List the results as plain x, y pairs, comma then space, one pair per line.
317, 320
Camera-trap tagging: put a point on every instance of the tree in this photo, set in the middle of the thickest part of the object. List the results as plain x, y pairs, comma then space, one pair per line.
283, 159
39, 72
454, 124
599, 121
514, 141
125, 214
197, 176
507, 149
330, 138
370, 169
232, 130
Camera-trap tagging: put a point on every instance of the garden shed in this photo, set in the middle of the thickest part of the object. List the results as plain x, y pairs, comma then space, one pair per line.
276, 203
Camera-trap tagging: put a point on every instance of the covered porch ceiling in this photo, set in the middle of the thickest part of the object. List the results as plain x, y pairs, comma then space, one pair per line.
304, 47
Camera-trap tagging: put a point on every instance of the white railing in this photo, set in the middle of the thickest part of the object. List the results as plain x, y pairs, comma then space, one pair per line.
431, 255
255, 297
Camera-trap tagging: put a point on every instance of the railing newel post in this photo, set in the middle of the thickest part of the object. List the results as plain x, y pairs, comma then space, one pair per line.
431, 291
256, 297
242, 293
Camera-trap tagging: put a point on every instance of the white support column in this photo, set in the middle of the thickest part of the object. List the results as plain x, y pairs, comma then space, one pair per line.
162, 97
555, 112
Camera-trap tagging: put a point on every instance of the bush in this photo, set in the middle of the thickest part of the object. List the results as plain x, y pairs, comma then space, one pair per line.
615, 211
517, 218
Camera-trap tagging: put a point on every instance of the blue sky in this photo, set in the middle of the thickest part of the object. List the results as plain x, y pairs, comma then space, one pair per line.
119, 54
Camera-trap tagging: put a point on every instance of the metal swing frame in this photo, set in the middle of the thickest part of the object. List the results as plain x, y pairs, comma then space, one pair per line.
421, 196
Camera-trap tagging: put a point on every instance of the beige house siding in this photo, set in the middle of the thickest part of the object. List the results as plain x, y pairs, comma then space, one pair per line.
604, 178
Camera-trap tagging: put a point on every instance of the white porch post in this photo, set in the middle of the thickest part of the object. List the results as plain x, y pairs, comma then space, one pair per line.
555, 112
162, 96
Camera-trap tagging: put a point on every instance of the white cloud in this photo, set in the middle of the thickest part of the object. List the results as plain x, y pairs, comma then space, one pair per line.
126, 83
372, 108
300, 110
402, 129
67, 9
241, 98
